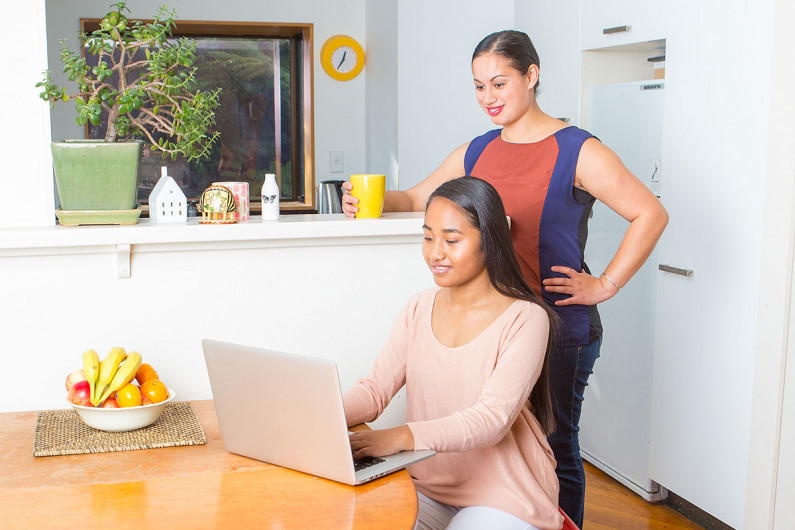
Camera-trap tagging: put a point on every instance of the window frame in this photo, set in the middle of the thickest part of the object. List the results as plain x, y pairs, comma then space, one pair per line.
286, 30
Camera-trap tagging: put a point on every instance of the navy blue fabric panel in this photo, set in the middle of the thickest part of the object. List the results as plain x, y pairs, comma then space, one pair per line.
560, 229
476, 147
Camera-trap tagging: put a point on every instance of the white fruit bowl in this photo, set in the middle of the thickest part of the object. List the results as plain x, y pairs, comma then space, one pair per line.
123, 418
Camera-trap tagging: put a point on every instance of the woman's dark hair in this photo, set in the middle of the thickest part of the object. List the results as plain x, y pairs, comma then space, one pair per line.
483, 208
513, 46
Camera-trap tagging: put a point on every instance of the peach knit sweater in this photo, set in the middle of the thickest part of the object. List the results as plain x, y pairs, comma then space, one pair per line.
470, 404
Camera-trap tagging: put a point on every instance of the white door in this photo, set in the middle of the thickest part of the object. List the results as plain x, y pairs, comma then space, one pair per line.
706, 333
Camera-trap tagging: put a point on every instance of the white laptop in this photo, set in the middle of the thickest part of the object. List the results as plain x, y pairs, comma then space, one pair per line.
286, 409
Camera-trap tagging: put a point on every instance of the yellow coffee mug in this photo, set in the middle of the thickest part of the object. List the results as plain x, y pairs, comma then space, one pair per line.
369, 189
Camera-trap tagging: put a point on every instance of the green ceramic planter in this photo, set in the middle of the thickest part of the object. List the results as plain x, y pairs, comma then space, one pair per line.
94, 175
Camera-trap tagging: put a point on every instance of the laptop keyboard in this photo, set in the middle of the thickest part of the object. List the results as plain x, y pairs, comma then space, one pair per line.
365, 462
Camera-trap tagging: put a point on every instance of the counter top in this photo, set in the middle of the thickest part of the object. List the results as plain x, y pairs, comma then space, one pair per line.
307, 229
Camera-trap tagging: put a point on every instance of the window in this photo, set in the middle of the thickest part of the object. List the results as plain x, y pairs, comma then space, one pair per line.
265, 113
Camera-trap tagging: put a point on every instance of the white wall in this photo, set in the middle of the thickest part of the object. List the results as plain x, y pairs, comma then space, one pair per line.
381, 68
759, 508
25, 139
554, 28
437, 110
771, 463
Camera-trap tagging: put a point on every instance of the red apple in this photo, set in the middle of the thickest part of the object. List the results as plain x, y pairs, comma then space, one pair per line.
80, 394
145, 401
75, 377
110, 404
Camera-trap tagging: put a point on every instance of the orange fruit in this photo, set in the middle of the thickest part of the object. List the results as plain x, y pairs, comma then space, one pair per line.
128, 396
154, 390
144, 373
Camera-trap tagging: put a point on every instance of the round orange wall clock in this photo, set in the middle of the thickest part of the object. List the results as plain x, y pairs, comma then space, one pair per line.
342, 57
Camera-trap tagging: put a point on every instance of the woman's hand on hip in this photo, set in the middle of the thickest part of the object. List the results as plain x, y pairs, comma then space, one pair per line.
349, 202
382, 442
583, 288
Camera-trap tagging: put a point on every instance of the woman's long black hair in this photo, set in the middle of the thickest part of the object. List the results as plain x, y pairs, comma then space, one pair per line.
484, 210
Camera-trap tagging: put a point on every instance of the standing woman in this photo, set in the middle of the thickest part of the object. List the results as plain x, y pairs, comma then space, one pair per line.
549, 174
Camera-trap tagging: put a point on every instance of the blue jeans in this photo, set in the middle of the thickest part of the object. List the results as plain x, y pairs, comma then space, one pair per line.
569, 369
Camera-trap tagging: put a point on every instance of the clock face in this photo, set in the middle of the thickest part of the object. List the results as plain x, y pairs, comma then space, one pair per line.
343, 59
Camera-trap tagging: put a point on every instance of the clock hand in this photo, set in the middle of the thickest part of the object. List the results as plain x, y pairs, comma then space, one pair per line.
342, 60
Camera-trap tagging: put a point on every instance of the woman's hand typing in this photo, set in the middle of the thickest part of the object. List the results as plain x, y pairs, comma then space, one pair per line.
382, 442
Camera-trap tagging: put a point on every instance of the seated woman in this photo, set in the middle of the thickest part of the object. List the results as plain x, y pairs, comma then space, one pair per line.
473, 356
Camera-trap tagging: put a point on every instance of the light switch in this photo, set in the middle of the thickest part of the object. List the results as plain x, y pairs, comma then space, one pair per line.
336, 162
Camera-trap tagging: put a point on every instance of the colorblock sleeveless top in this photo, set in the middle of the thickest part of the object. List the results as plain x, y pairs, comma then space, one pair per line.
549, 216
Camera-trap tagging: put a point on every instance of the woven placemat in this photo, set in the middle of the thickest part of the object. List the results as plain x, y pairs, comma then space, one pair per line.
62, 432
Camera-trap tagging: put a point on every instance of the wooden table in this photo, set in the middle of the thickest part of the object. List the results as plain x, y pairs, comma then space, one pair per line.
182, 487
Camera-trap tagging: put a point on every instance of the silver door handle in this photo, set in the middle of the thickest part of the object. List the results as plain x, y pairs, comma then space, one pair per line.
617, 29
676, 270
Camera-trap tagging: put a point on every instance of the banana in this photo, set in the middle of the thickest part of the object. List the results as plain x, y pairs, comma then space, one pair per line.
124, 375
107, 369
91, 369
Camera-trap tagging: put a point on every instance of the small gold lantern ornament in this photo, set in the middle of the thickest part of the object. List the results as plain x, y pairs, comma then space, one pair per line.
217, 205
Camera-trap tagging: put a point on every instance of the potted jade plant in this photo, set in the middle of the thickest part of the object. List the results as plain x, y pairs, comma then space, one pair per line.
140, 81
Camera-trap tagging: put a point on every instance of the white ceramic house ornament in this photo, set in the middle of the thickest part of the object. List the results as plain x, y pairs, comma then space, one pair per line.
167, 203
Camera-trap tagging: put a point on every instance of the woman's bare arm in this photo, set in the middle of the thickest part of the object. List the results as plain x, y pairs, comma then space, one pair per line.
601, 173
414, 198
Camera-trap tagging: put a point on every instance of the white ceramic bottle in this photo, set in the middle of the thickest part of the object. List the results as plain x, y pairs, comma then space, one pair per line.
270, 198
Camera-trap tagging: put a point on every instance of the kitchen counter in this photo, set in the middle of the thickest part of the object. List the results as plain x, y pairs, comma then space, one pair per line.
321, 285
307, 229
